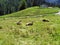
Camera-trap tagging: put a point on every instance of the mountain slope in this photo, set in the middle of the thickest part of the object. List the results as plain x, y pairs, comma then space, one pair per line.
40, 33
33, 11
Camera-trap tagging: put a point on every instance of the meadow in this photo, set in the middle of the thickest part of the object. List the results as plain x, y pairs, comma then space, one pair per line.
40, 33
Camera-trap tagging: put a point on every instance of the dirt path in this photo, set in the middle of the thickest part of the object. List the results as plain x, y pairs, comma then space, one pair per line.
58, 13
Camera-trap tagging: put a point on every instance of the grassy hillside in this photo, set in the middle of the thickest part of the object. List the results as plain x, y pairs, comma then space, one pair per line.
40, 33
33, 11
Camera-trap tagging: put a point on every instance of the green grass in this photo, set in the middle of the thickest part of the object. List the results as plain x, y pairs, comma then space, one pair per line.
40, 33
33, 11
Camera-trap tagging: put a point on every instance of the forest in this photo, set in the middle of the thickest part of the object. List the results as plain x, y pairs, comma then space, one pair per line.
10, 6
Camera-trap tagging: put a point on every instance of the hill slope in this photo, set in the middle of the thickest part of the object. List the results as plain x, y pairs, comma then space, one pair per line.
33, 11
40, 33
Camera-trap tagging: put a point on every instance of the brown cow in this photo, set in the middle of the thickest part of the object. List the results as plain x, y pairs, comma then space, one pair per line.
29, 23
45, 20
19, 22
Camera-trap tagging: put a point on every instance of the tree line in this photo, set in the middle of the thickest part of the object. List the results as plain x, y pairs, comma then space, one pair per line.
10, 6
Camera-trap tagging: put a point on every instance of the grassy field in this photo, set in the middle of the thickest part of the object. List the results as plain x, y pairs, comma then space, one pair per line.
40, 33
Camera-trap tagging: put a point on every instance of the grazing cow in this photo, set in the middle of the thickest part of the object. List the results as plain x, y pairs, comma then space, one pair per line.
44, 20
29, 23
19, 22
